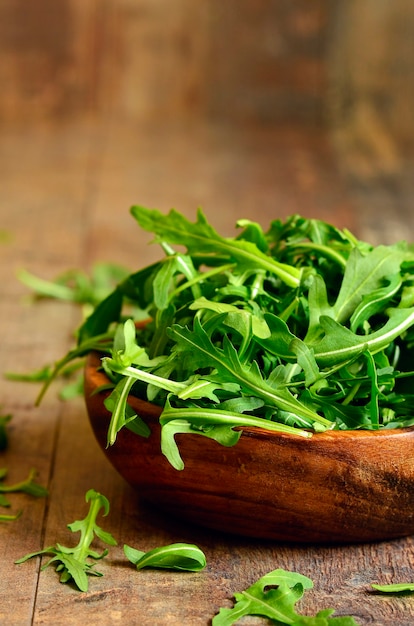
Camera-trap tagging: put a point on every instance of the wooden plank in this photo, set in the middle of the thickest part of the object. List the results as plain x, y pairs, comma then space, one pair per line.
160, 60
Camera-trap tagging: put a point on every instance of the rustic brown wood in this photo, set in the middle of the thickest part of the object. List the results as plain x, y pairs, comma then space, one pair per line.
148, 60
371, 85
64, 196
322, 61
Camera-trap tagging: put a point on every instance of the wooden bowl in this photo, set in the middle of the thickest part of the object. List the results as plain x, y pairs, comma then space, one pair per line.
336, 487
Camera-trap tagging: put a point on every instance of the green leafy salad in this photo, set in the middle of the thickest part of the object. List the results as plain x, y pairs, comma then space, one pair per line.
299, 328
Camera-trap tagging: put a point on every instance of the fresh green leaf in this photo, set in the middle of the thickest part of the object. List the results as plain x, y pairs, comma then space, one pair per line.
374, 302
41, 375
106, 312
75, 285
274, 596
10, 518
306, 360
74, 389
230, 369
74, 564
176, 556
29, 486
212, 423
201, 238
340, 344
121, 412
222, 433
363, 274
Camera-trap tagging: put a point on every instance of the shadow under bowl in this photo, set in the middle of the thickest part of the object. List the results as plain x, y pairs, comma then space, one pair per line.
335, 487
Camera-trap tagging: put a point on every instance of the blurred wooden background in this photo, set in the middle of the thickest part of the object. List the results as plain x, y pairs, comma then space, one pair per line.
341, 68
346, 62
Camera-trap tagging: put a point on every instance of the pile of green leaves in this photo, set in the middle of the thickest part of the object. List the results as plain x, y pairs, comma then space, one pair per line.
299, 329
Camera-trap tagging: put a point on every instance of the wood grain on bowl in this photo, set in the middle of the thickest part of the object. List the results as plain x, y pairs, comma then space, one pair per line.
336, 487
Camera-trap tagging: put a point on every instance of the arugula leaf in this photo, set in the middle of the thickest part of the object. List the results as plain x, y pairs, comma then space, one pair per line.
75, 285
374, 302
107, 311
274, 596
73, 563
394, 588
177, 556
201, 238
28, 485
4, 517
121, 412
230, 369
245, 322
340, 344
212, 423
362, 292
363, 274
312, 326
286, 588
97, 342
72, 389
37, 376
306, 360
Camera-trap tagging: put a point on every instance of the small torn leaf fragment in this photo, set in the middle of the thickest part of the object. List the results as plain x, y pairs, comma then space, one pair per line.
394, 588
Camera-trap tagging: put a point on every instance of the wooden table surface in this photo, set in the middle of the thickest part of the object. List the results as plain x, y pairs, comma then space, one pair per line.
65, 194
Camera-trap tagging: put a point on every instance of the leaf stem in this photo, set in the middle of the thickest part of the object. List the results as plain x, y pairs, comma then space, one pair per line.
202, 416
146, 377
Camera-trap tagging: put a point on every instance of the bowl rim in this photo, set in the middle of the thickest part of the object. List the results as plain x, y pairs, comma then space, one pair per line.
95, 377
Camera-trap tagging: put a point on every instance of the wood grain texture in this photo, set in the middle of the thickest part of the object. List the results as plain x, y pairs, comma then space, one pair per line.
65, 191
340, 65
147, 60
